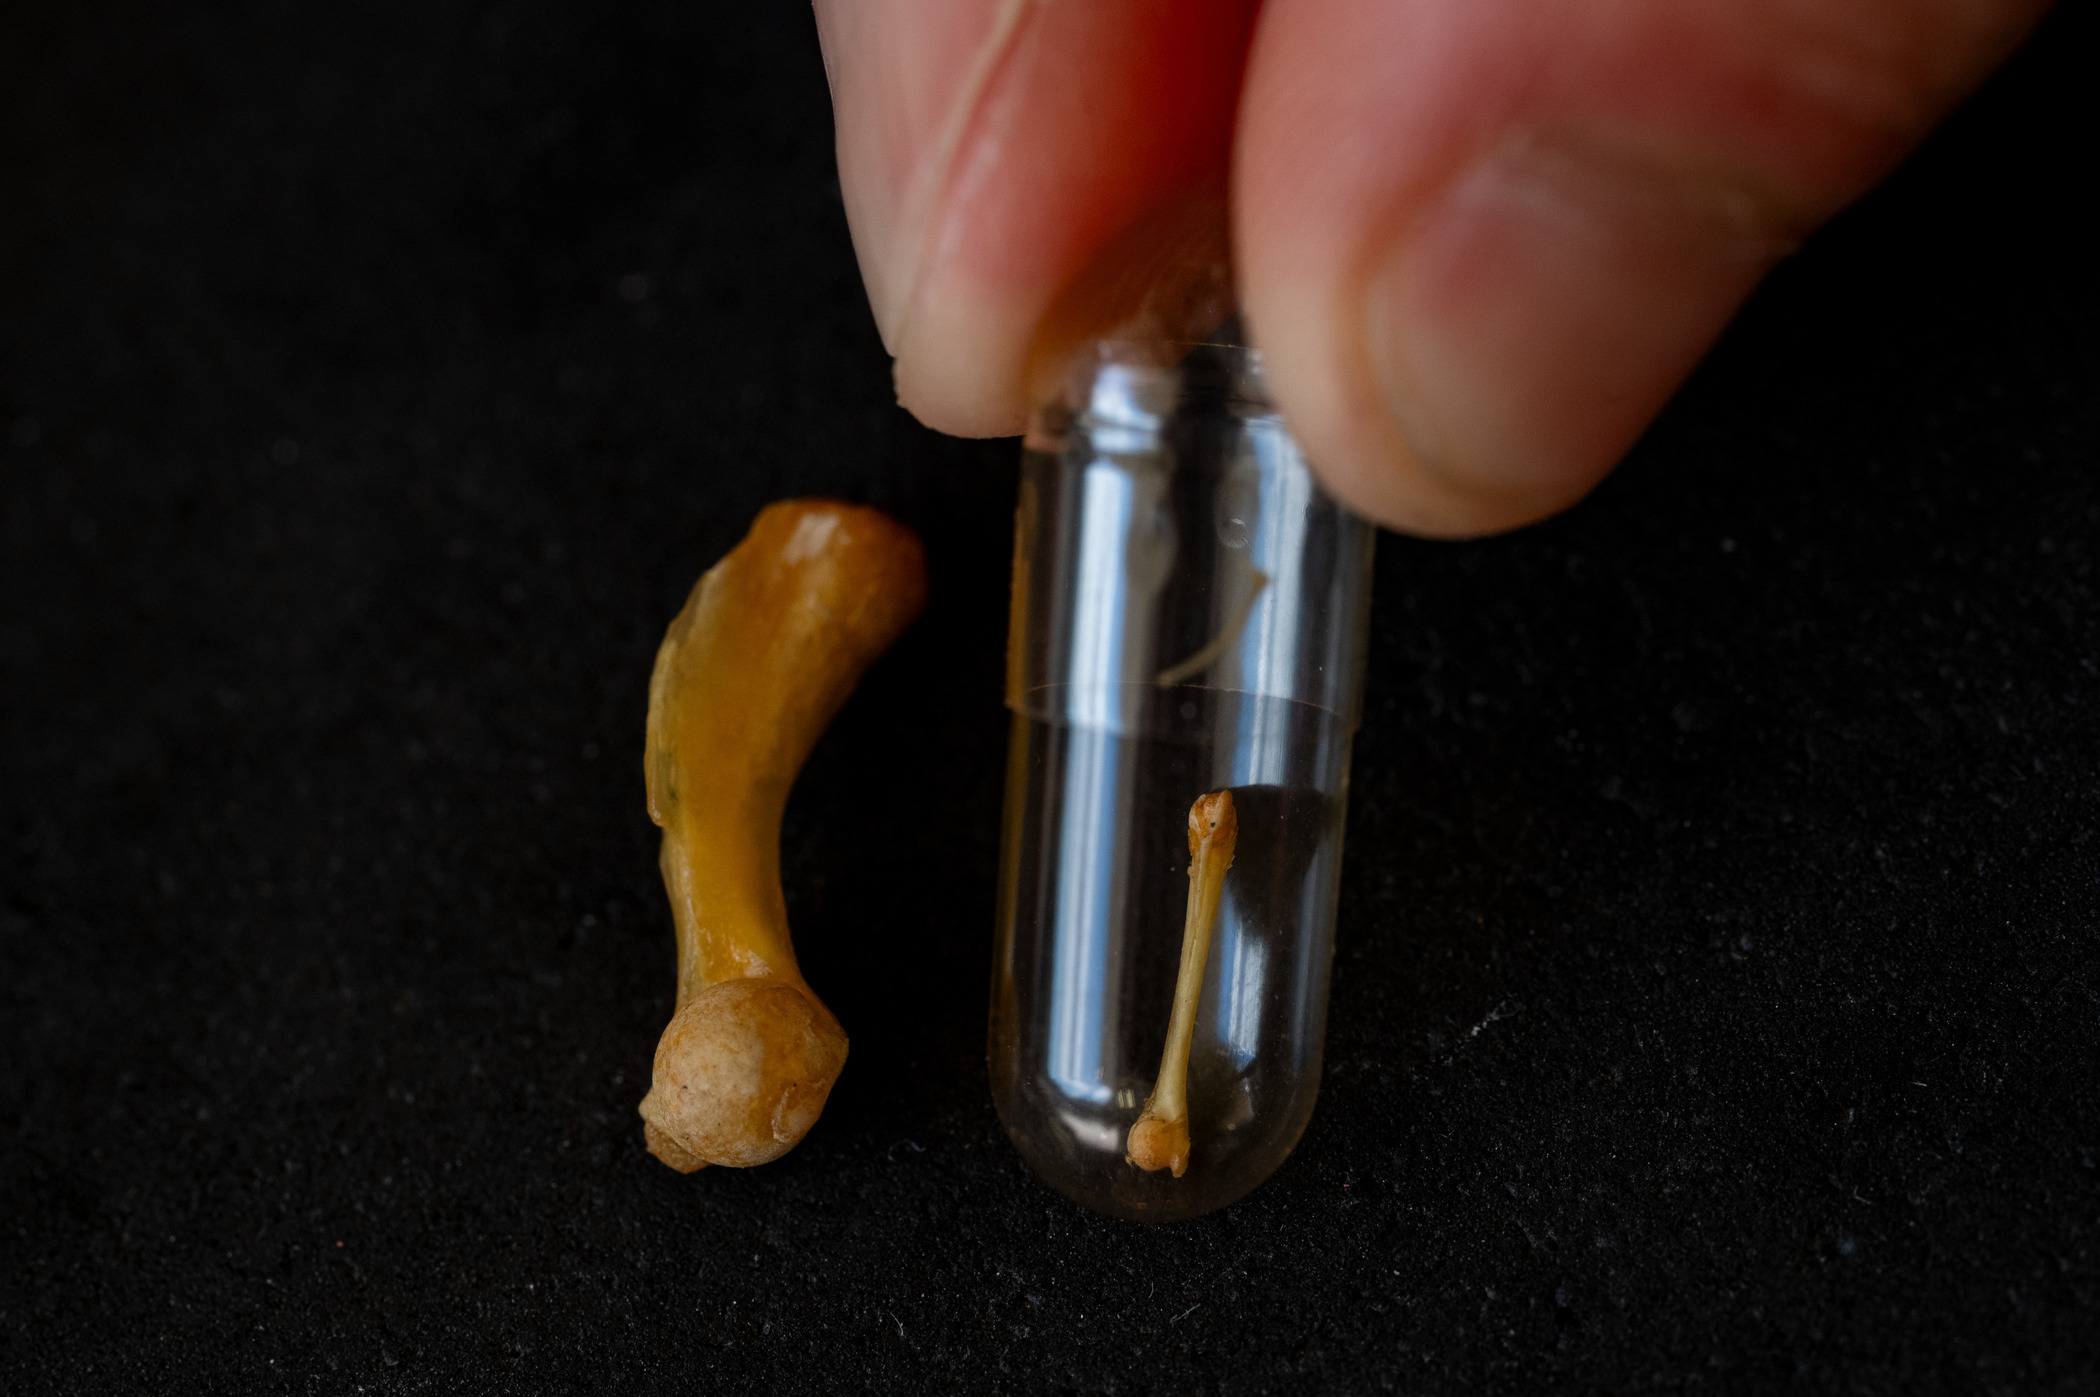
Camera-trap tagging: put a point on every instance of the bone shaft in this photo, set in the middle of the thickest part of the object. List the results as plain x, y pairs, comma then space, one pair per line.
1206, 887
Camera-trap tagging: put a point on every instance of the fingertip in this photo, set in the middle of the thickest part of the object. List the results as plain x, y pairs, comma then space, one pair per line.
989, 153
1483, 241
904, 75
1373, 449
1513, 338
1537, 313
1366, 456
959, 369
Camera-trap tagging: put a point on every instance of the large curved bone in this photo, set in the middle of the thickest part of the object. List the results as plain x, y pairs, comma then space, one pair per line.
765, 652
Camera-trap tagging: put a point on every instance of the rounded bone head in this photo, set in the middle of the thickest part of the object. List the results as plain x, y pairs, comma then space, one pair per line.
742, 1073
1159, 1144
1213, 819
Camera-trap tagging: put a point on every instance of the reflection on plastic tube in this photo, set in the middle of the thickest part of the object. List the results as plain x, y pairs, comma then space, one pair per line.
1252, 754
1240, 1003
1090, 846
1095, 1134
1089, 852
1270, 650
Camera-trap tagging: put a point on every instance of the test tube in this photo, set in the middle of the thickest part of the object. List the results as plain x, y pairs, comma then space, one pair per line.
1189, 613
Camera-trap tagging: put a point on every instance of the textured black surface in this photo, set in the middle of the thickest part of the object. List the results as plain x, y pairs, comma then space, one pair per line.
1716, 1001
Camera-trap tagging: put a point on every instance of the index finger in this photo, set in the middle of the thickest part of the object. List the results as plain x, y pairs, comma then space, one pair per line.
990, 150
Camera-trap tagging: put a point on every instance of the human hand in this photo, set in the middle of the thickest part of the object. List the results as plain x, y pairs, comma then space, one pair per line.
1479, 241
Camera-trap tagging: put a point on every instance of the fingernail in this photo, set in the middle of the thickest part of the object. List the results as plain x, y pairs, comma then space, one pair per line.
1527, 326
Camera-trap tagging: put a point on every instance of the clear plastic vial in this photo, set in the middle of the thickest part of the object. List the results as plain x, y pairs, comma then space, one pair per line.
1189, 611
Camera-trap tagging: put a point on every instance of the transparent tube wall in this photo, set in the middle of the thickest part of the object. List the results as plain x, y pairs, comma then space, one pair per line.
1188, 616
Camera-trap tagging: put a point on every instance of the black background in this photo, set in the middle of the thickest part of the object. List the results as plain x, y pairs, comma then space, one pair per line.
1715, 1003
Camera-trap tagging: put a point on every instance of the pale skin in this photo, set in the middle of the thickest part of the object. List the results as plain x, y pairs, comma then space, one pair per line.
1479, 241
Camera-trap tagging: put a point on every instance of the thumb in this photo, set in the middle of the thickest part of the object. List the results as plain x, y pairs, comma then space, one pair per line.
1482, 241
